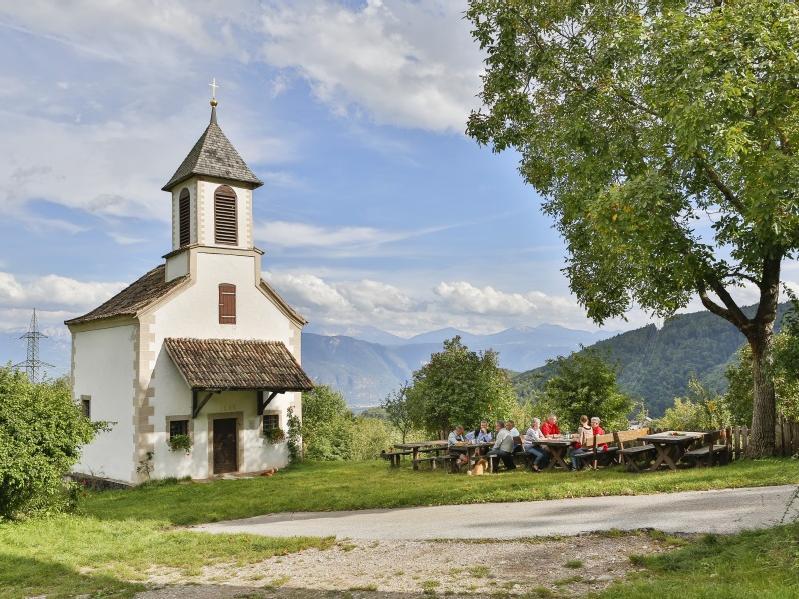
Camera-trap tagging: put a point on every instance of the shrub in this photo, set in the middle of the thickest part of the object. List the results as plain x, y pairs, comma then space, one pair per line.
699, 410
41, 433
326, 424
368, 437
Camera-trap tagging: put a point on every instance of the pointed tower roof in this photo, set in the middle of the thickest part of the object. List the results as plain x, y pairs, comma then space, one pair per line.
214, 156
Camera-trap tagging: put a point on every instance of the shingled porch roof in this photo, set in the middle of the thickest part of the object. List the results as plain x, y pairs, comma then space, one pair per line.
237, 364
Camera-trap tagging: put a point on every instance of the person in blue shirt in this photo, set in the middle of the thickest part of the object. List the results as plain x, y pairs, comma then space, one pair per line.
483, 434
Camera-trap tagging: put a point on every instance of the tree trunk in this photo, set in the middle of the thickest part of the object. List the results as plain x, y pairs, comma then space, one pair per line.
764, 412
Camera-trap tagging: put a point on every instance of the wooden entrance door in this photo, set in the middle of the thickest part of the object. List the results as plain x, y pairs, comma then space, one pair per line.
225, 445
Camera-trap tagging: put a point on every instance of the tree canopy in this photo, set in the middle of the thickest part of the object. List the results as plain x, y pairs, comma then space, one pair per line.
662, 135
459, 386
584, 383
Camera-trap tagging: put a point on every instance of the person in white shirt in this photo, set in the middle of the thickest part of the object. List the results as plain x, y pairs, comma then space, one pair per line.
514, 433
455, 438
531, 437
503, 446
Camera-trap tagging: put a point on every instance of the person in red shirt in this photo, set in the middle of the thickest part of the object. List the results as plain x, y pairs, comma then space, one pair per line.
550, 427
598, 430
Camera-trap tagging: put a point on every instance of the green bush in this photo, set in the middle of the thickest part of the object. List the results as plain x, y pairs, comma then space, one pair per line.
368, 437
699, 410
41, 433
326, 423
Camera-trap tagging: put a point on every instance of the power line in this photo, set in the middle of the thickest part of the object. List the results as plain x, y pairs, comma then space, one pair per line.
32, 364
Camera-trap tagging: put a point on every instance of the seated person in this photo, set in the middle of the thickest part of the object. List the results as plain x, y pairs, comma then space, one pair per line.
503, 446
456, 438
583, 441
532, 435
598, 430
514, 433
482, 434
550, 427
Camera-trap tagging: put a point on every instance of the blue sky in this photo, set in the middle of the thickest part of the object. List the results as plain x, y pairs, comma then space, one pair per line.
377, 209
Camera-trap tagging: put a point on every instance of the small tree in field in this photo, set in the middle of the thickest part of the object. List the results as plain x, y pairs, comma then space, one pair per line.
584, 383
459, 386
41, 433
326, 424
398, 410
664, 137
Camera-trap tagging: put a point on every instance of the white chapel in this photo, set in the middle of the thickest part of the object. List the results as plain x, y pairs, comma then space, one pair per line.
199, 347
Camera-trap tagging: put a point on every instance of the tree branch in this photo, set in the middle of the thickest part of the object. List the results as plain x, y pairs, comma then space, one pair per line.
714, 178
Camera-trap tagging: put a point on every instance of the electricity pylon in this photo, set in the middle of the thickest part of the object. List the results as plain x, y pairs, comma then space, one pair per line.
32, 364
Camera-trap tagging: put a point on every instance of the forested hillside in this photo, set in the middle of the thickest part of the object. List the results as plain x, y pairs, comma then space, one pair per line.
656, 364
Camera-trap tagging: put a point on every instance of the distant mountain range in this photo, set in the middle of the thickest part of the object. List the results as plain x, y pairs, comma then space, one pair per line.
366, 363
656, 364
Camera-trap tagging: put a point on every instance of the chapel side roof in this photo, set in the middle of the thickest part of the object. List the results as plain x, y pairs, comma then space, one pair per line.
214, 156
287, 308
134, 298
237, 364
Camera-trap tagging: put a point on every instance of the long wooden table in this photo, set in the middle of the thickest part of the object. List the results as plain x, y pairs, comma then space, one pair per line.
421, 447
557, 450
671, 446
470, 449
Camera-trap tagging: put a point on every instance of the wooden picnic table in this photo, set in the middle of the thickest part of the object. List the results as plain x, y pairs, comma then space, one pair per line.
470, 449
421, 447
670, 446
557, 449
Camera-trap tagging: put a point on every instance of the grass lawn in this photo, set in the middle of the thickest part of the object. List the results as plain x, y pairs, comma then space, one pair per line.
65, 556
361, 485
751, 564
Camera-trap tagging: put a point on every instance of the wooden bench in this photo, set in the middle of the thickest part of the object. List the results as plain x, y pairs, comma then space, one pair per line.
634, 453
433, 460
394, 456
595, 455
711, 452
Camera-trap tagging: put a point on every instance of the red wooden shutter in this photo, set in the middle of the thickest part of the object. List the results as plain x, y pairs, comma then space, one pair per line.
225, 220
227, 303
184, 213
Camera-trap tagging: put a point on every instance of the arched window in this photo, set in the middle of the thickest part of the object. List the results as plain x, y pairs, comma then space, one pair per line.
225, 220
184, 217
227, 303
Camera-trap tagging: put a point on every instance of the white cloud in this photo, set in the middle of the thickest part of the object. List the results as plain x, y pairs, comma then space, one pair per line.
408, 64
53, 292
298, 234
368, 302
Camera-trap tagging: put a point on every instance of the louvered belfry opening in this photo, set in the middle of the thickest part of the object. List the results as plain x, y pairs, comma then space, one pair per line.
225, 221
227, 303
184, 215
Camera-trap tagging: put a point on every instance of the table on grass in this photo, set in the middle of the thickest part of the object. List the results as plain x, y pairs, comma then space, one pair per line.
670, 446
418, 447
557, 450
470, 449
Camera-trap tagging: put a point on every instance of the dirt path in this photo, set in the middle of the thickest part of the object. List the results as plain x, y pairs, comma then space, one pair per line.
561, 567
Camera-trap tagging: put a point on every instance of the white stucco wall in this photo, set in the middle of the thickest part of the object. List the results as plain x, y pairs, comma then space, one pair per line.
104, 369
194, 313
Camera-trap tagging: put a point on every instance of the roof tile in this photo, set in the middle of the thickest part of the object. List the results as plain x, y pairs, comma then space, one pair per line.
237, 364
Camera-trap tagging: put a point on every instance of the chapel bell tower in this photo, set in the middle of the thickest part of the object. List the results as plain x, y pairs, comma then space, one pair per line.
211, 198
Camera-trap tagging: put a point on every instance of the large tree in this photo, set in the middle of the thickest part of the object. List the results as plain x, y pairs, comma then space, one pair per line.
585, 384
459, 386
663, 136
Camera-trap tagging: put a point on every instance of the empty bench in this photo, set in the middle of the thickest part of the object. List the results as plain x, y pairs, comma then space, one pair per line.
633, 452
712, 451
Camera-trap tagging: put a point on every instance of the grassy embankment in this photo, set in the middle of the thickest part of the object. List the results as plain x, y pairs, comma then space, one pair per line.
361, 485
751, 564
